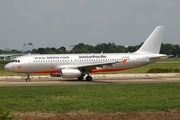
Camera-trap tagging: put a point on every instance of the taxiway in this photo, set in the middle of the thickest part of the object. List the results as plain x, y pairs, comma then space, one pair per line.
97, 79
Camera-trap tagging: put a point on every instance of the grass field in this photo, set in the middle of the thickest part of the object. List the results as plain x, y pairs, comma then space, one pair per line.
94, 98
91, 98
170, 63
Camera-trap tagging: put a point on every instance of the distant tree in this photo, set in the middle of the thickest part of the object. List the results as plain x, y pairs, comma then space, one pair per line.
111, 48
101, 47
59, 51
34, 51
121, 49
1, 51
168, 49
48, 51
132, 48
177, 50
63, 49
41, 50
82, 48
53, 49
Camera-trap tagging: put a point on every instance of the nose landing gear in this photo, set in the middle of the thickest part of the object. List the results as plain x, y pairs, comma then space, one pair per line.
28, 77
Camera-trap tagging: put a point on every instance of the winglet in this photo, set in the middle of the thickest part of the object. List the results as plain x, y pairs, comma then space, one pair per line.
153, 42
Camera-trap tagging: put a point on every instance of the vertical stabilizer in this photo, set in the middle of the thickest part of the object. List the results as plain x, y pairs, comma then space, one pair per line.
153, 42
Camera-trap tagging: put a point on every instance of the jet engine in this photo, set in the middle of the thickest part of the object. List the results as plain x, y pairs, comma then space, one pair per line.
70, 73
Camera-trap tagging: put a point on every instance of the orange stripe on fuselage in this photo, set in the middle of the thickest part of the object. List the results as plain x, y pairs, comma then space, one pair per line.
91, 71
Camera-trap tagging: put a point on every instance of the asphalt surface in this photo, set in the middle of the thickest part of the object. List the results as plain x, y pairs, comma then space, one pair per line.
97, 79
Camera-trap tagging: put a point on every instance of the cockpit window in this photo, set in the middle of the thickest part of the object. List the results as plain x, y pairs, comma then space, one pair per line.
16, 61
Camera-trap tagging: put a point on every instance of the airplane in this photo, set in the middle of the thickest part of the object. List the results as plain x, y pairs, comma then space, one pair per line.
80, 65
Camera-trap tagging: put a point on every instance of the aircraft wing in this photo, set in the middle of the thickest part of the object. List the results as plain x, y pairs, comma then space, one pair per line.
87, 66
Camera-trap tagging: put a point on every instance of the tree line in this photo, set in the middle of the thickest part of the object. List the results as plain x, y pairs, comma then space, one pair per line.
168, 49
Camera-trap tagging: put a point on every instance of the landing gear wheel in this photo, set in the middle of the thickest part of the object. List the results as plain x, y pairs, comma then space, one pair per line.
80, 78
88, 78
27, 79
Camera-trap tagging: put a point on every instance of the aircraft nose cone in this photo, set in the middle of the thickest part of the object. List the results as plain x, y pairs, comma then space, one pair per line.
7, 67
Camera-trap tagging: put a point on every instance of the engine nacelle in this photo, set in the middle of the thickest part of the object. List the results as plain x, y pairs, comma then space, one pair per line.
70, 73
55, 75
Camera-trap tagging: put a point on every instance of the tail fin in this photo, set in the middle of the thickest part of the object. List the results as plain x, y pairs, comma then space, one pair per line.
153, 42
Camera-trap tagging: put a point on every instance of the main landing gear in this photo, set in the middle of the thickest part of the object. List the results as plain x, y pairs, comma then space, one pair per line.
28, 77
88, 78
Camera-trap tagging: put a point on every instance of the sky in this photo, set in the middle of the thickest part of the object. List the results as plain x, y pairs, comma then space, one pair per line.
56, 23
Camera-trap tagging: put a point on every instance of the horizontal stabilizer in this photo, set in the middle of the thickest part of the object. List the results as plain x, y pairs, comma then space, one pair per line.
159, 57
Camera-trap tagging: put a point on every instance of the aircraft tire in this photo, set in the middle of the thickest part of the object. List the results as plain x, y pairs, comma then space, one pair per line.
27, 80
80, 78
88, 78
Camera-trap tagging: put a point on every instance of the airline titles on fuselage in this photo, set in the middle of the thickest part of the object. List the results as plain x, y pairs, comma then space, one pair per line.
79, 57
53, 57
92, 56
67, 57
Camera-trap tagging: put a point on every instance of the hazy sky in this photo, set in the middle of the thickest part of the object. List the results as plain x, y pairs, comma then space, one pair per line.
56, 23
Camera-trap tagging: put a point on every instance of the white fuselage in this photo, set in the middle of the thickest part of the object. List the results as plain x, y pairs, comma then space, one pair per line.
53, 63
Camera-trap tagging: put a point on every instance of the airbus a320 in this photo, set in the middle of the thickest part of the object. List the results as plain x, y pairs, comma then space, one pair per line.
81, 65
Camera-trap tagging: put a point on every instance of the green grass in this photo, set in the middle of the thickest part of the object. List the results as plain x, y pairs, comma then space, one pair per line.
91, 98
94, 98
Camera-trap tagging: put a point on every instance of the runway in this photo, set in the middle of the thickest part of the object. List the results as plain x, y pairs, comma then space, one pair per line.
97, 79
